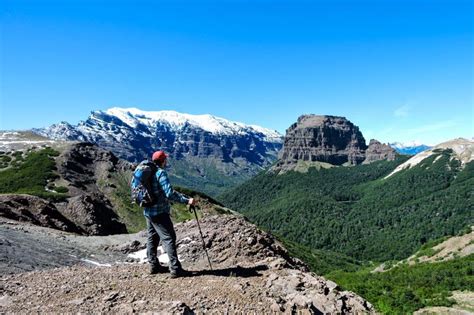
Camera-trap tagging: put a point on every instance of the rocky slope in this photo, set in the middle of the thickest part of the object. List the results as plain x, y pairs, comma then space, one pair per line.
86, 172
328, 139
203, 148
35, 210
252, 272
88, 169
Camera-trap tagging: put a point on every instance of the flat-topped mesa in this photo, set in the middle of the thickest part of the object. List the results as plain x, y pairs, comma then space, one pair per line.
330, 139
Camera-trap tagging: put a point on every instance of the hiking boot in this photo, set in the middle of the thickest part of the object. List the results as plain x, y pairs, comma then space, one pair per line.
154, 269
179, 273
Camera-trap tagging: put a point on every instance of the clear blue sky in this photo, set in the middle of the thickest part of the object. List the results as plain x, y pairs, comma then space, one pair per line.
401, 70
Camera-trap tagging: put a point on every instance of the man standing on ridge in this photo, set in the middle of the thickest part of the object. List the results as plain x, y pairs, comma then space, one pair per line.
159, 225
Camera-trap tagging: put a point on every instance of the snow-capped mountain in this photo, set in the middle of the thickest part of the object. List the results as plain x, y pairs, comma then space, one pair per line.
137, 119
176, 121
409, 148
204, 149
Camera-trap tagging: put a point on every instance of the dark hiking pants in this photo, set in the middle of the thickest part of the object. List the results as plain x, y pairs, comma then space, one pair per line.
161, 227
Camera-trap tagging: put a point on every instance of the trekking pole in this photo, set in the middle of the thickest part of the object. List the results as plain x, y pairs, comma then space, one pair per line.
202, 237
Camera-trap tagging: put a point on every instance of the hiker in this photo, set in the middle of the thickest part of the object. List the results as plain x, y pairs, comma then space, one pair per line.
159, 225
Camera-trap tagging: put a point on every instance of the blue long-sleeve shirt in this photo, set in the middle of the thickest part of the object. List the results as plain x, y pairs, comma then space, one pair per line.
163, 190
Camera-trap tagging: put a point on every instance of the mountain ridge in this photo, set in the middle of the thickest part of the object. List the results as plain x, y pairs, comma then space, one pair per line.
210, 152
463, 150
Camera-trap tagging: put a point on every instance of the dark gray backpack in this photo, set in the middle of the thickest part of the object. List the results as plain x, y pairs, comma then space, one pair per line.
142, 184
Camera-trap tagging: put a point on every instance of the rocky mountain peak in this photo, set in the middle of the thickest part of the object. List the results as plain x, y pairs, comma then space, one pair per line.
176, 121
379, 151
205, 149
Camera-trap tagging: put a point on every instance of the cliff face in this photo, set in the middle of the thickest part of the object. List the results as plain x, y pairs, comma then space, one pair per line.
379, 151
329, 139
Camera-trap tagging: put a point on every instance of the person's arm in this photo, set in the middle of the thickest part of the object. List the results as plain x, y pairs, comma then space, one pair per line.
170, 193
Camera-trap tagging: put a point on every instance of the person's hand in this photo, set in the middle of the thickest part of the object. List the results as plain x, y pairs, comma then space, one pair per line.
192, 202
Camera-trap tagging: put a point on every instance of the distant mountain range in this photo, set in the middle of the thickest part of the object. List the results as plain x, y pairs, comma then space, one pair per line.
207, 153
211, 154
409, 148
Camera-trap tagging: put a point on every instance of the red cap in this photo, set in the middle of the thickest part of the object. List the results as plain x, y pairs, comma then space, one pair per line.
159, 156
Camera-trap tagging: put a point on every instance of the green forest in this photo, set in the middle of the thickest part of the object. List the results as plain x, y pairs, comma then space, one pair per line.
344, 221
405, 289
356, 212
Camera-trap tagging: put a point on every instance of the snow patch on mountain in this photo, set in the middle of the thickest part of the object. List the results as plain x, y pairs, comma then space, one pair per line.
463, 150
409, 144
216, 125
22, 140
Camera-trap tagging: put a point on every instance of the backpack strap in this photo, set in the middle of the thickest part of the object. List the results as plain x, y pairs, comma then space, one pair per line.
159, 176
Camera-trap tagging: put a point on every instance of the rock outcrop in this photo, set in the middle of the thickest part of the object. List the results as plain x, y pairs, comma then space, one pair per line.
84, 165
232, 240
378, 151
330, 140
87, 170
94, 214
35, 210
